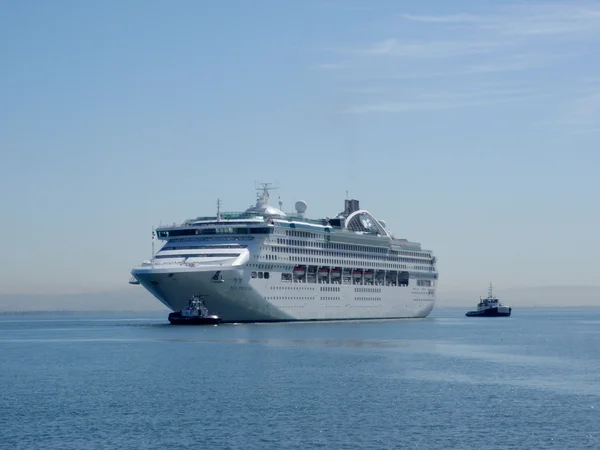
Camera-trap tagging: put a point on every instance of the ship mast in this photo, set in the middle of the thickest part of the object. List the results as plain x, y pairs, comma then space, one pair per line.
218, 209
490, 291
153, 239
263, 199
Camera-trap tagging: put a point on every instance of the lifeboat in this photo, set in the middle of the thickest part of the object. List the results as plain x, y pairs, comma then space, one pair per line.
323, 272
299, 270
357, 273
336, 273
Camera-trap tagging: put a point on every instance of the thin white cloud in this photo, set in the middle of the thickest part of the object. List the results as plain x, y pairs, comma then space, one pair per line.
330, 66
464, 48
508, 27
579, 113
591, 80
567, 19
552, 19
516, 62
432, 49
400, 107
584, 110
443, 101
453, 18
367, 90
418, 106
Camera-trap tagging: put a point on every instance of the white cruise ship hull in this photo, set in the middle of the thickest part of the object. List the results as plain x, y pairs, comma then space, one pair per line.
237, 297
263, 265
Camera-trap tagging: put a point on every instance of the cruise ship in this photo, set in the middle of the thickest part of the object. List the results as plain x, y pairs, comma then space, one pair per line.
263, 265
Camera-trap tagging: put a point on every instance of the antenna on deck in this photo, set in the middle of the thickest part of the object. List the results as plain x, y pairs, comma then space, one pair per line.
218, 209
153, 239
265, 188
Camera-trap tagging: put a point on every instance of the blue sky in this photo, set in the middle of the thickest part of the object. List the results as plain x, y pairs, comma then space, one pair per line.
469, 126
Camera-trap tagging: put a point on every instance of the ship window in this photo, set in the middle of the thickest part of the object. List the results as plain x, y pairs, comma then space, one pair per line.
173, 233
261, 230
267, 275
260, 274
253, 274
199, 255
189, 247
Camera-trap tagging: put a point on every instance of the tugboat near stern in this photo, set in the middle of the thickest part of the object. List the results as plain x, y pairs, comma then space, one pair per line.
490, 307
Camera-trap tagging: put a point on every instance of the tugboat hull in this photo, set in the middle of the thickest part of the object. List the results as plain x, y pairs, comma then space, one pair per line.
177, 319
491, 312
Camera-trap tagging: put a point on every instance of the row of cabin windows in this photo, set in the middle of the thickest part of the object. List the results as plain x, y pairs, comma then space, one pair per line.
264, 275
346, 280
199, 255
304, 234
347, 271
330, 289
367, 290
308, 260
194, 247
303, 251
223, 230
359, 248
379, 278
269, 230
217, 239
338, 261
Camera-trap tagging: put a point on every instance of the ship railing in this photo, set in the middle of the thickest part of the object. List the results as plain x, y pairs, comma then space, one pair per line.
225, 216
162, 263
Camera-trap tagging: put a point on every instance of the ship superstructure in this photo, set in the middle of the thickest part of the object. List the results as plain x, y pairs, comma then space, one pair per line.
265, 265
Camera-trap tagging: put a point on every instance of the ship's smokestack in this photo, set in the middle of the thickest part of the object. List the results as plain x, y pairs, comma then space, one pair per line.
351, 206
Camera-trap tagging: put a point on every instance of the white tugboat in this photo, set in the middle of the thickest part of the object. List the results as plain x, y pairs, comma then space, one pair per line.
195, 313
490, 307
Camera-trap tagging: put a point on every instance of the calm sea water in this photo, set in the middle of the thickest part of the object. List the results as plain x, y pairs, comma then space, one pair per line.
134, 381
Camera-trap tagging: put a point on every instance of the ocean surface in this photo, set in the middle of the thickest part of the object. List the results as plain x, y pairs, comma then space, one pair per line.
98, 380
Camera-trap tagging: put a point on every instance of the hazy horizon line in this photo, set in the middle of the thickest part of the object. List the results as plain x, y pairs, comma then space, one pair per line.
156, 311
439, 290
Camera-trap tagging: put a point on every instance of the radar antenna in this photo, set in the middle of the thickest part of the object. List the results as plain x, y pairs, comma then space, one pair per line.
265, 188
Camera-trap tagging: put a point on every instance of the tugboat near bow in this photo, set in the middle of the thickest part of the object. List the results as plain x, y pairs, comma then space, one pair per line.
490, 307
195, 313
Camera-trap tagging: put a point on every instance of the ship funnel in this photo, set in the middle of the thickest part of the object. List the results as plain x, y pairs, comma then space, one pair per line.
351, 206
